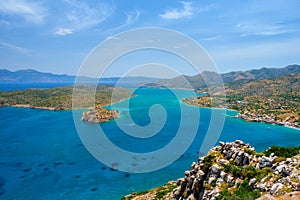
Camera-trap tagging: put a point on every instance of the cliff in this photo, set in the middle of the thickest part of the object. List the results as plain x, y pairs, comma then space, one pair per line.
234, 170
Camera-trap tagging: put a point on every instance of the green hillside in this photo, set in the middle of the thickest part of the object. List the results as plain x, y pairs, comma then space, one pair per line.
60, 98
200, 81
275, 100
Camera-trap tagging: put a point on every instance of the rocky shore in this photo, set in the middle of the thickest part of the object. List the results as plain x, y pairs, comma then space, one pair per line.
233, 170
249, 116
99, 114
57, 108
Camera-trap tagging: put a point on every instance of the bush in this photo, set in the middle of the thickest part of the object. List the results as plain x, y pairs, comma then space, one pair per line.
162, 191
207, 163
285, 152
247, 172
242, 192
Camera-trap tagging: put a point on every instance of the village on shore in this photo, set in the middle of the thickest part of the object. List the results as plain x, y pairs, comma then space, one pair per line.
252, 109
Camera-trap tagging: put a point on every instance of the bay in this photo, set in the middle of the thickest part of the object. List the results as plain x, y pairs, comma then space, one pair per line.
42, 156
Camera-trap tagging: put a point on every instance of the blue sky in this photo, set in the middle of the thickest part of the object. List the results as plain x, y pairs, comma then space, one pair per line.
56, 36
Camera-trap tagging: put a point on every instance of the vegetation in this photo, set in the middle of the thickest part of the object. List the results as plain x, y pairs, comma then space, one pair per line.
208, 162
68, 97
237, 184
242, 192
163, 191
274, 100
60, 98
246, 172
200, 81
284, 152
157, 193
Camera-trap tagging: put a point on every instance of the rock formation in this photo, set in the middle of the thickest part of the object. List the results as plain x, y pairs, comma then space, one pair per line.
234, 170
99, 114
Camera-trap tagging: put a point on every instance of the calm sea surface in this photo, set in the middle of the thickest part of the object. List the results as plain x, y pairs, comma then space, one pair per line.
42, 156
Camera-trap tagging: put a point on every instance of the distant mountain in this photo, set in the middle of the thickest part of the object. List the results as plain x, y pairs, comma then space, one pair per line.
30, 76
182, 81
287, 85
197, 81
259, 74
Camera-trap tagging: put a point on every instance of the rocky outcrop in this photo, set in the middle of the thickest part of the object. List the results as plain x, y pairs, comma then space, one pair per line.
233, 170
288, 196
99, 114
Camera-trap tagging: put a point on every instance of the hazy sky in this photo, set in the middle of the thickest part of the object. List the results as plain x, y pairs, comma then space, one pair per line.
56, 36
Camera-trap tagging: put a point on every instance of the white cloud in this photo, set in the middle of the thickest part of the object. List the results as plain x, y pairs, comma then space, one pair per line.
63, 31
211, 38
14, 47
83, 16
262, 29
113, 38
32, 12
131, 18
178, 13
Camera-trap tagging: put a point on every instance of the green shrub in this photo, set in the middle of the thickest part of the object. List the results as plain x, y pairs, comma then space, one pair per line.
207, 163
243, 192
285, 152
163, 191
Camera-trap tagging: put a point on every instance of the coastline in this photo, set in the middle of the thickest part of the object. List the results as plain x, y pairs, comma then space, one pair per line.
35, 107
246, 118
101, 112
113, 114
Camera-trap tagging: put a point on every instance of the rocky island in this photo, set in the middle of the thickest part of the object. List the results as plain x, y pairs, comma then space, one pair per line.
99, 114
233, 170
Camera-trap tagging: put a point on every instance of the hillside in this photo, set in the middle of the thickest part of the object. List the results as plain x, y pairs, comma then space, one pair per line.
60, 98
275, 100
234, 171
282, 85
197, 81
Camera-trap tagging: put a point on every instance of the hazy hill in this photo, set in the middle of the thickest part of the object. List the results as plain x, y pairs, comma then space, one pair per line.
29, 76
281, 85
197, 81
182, 81
259, 74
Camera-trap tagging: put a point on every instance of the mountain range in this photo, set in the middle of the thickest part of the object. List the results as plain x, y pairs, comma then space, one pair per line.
197, 81
30, 76
182, 81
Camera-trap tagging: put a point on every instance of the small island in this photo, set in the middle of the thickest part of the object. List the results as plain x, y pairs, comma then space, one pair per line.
99, 114
60, 98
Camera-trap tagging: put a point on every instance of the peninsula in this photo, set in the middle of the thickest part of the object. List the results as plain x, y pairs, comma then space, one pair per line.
275, 101
60, 98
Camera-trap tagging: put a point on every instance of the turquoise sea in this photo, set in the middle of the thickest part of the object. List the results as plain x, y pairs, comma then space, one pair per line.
42, 156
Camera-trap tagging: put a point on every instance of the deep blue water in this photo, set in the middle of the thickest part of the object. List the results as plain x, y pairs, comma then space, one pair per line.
23, 86
42, 156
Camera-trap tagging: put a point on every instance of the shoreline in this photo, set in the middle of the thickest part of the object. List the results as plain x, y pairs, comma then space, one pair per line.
107, 114
35, 107
247, 119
